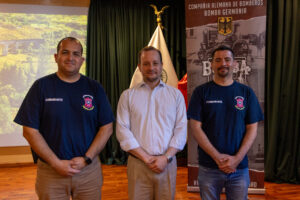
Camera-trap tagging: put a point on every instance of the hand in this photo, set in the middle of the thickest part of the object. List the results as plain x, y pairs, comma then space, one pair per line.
148, 160
221, 158
159, 164
78, 163
64, 168
229, 165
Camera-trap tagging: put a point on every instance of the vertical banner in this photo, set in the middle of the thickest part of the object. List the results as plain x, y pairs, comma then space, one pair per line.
240, 25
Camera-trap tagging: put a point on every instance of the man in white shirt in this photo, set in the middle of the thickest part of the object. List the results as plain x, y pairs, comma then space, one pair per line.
152, 128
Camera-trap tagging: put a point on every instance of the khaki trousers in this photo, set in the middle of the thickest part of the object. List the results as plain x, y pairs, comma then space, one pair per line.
85, 185
144, 184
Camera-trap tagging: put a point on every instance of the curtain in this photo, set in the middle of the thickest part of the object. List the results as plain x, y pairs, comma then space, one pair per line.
282, 135
117, 30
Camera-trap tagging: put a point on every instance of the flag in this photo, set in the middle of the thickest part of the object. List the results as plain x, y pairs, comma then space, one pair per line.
168, 74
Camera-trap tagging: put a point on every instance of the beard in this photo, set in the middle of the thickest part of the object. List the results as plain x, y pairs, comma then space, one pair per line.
152, 79
151, 76
223, 72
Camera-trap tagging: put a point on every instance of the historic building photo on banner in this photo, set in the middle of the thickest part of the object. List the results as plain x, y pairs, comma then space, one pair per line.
240, 25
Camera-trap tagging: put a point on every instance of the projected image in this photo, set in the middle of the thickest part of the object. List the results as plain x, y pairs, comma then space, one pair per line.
27, 45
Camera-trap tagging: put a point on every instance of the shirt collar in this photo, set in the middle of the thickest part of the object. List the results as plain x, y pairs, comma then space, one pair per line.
161, 84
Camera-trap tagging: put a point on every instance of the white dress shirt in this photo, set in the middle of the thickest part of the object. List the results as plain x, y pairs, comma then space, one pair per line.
151, 119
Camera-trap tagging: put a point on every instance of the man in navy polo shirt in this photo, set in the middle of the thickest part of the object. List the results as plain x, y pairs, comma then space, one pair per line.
223, 118
67, 120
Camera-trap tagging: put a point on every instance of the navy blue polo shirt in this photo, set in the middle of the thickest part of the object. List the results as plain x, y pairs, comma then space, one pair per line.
224, 112
68, 115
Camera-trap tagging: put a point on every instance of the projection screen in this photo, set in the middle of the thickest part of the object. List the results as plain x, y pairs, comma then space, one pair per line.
28, 38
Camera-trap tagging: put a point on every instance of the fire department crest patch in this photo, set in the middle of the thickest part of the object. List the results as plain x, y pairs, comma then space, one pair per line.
239, 103
224, 25
88, 102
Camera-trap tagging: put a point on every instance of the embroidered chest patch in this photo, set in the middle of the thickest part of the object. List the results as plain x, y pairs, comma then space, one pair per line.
88, 102
239, 103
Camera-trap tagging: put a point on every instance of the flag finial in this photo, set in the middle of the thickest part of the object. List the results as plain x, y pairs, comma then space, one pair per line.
158, 14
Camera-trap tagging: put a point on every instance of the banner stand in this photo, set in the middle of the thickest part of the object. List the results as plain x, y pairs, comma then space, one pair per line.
240, 25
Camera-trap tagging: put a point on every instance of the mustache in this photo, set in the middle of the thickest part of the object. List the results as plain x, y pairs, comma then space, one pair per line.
151, 71
70, 62
223, 67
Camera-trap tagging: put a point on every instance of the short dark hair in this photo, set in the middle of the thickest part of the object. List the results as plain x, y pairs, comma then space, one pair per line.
222, 48
149, 48
71, 39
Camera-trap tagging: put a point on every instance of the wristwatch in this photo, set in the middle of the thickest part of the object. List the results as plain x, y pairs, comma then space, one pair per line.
87, 160
169, 159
